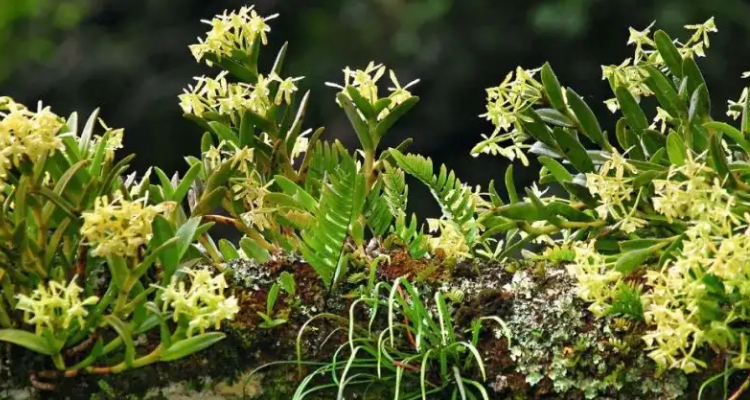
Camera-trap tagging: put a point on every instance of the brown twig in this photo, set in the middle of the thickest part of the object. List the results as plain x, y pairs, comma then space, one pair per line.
736, 395
81, 264
83, 346
44, 386
220, 219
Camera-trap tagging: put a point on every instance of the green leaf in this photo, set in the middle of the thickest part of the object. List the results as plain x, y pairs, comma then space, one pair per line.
700, 104
570, 213
745, 124
588, 123
676, 149
27, 340
631, 260
125, 331
182, 189
574, 151
510, 185
362, 104
668, 52
224, 132
207, 141
360, 126
534, 126
58, 201
694, 76
646, 177
672, 251
166, 183
169, 257
186, 347
557, 170
296, 192
393, 116
296, 128
581, 193
554, 117
665, 92
118, 268
631, 110
279, 61
719, 159
254, 250
731, 132
88, 132
149, 260
521, 212
542, 209
186, 233
629, 140
653, 141
637, 244
228, 251
273, 295
209, 201
288, 283
552, 88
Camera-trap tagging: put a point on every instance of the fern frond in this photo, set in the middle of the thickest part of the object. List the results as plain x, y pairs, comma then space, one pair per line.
396, 190
377, 211
342, 196
326, 157
455, 199
297, 219
412, 235
396, 195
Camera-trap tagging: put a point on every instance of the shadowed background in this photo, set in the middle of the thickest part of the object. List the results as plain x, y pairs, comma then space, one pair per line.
131, 59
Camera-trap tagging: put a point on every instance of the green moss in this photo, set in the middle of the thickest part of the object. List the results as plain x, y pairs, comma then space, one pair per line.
557, 349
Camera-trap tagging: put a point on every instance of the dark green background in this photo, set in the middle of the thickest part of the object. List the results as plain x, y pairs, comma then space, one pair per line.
130, 57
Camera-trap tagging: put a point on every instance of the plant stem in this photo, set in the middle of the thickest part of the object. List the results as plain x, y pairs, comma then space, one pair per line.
369, 169
736, 395
5, 321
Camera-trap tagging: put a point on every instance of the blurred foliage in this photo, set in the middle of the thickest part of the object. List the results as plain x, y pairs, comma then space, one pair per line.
131, 58
28, 28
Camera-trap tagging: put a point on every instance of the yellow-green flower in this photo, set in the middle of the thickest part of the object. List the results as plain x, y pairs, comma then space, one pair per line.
55, 306
119, 227
204, 303
232, 32
25, 135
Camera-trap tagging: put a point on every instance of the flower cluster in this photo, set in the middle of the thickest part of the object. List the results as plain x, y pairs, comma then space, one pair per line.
506, 104
735, 107
113, 141
218, 96
451, 242
119, 227
252, 192
714, 263
513, 96
25, 135
366, 83
55, 306
631, 73
597, 281
686, 301
204, 303
233, 32
615, 191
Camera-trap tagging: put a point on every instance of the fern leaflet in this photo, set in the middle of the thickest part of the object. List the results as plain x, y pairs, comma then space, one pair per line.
455, 199
342, 195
